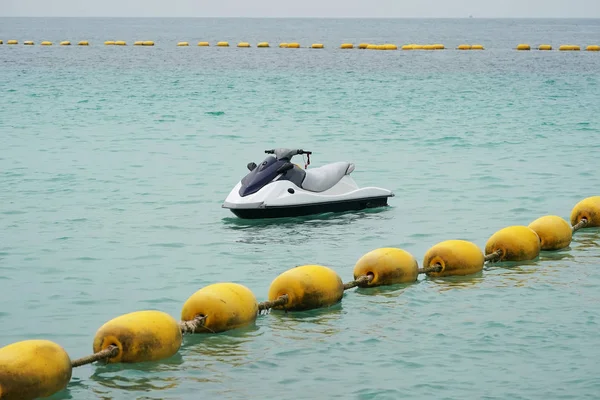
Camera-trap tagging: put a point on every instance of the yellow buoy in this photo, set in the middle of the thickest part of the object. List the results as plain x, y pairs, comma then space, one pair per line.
138, 43
477, 47
25, 43
1, 42
545, 47
317, 46
109, 43
381, 47
516, 243
140, 336
589, 209
183, 44
407, 47
203, 44
439, 46
293, 45
65, 43
243, 44
223, 44
418, 47
455, 257
554, 232
307, 287
148, 43
390, 46
593, 47
283, 45
346, 46
263, 44
428, 47
12, 41
523, 46
83, 43
33, 369
226, 306
363, 46
120, 43
464, 47
372, 47
388, 266
568, 47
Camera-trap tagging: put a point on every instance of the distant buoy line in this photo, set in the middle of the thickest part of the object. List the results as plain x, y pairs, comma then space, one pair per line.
343, 46
31, 369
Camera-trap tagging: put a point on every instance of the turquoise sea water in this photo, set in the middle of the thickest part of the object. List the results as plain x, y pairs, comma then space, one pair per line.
115, 162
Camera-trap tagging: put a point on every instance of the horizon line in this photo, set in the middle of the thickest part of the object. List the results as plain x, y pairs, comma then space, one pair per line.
288, 17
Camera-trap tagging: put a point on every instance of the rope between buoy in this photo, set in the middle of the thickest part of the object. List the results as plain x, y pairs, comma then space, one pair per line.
431, 268
109, 352
267, 305
493, 256
191, 325
579, 225
357, 282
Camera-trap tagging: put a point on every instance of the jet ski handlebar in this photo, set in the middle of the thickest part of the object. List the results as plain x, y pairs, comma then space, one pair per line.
287, 153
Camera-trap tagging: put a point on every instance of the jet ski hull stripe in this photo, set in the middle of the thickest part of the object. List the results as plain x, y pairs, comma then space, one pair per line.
310, 209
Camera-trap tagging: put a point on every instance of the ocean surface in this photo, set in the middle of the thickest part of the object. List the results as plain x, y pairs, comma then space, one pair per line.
115, 161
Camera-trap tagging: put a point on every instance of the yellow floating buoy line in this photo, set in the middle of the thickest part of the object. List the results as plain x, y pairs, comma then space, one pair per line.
470, 47
115, 43
569, 47
39, 368
343, 46
386, 46
414, 46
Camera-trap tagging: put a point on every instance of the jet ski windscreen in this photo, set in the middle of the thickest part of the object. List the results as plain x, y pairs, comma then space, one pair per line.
260, 176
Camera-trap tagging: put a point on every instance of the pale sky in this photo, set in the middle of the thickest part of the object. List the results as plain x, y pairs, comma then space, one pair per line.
303, 8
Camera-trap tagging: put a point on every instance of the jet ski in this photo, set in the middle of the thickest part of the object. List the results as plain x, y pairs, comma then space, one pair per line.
278, 188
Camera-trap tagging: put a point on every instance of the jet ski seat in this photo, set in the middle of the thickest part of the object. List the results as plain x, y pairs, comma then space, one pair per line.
325, 177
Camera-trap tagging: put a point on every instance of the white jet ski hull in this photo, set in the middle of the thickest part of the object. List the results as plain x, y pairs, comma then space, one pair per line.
285, 199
